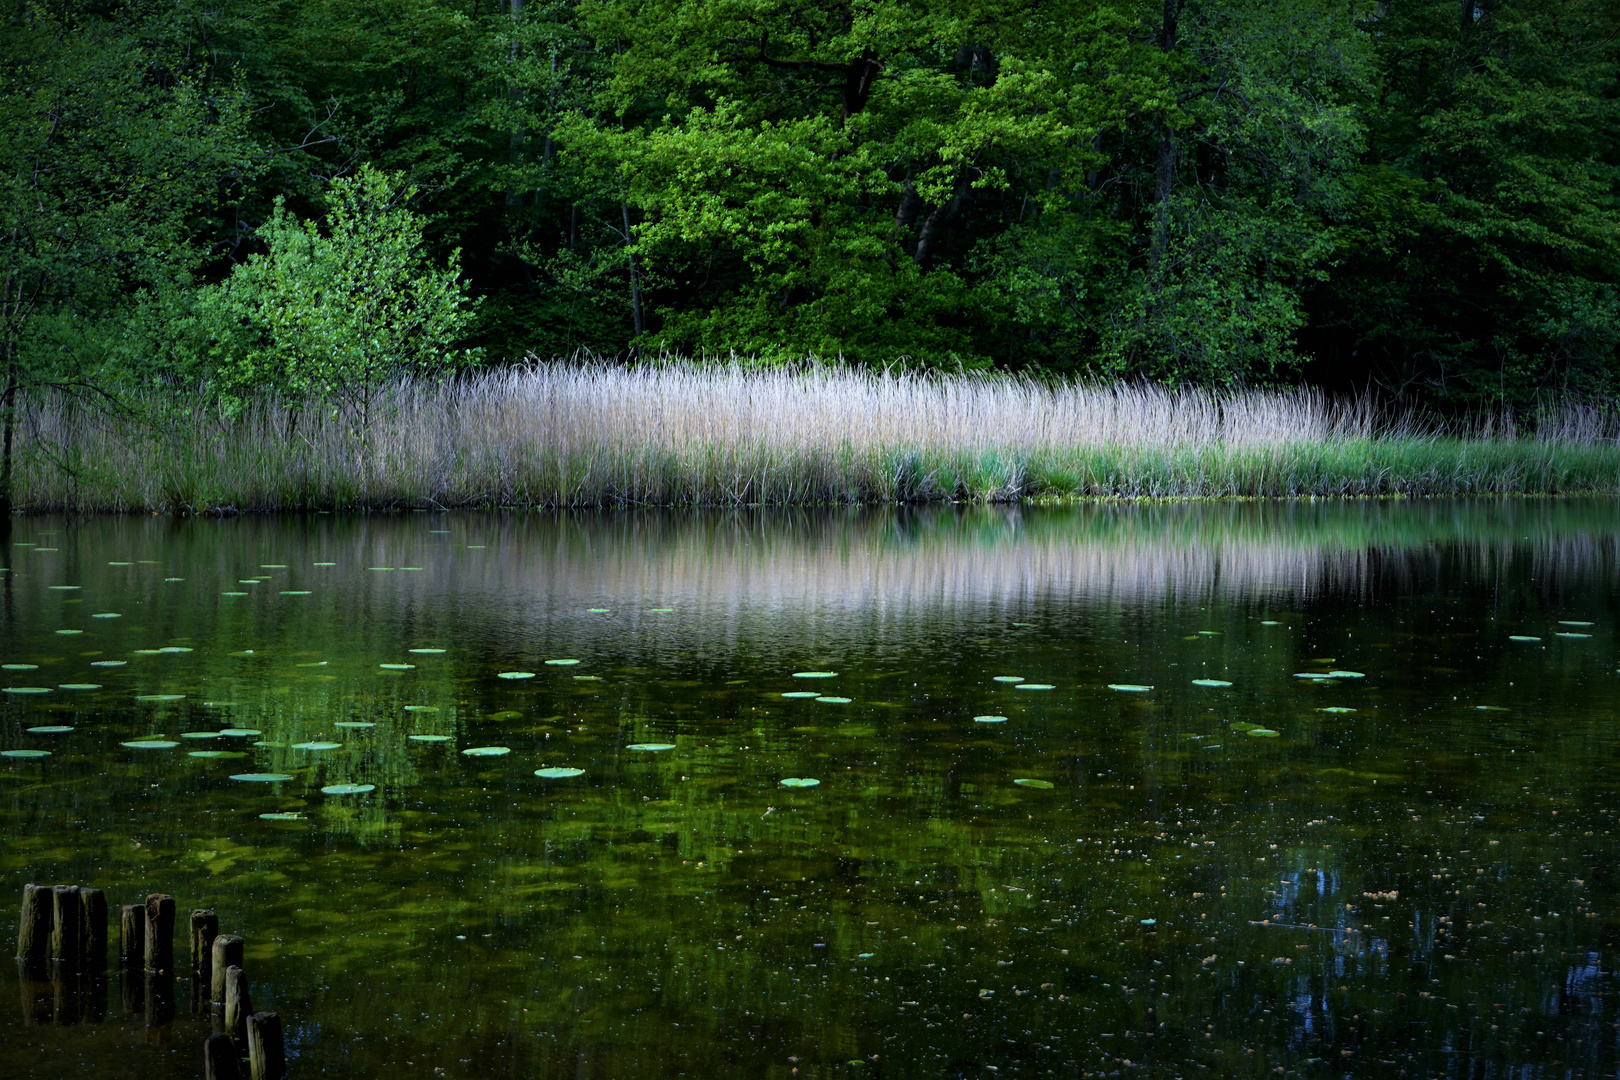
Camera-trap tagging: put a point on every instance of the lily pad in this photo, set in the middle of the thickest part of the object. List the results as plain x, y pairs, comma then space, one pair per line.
426, 652
828, 699
587, 678
1044, 785
799, 781
317, 746
1522, 637
989, 719
18, 667
487, 751
421, 708
1562, 635
241, 732
199, 734
215, 754
801, 694
1007, 678
1491, 708
815, 674
174, 649
151, 744
232, 593
1314, 675
1262, 733
1269, 622
159, 697
27, 689
81, 631
64, 588
515, 675
651, 746
108, 663
347, 789
428, 738
565, 662
1036, 686
262, 777
1210, 682
1129, 688
106, 615
396, 667
297, 592
1336, 709
558, 773
1243, 725
1574, 622
354, 724
283, 815
79, 686
1346, 675
25, 753
50, 729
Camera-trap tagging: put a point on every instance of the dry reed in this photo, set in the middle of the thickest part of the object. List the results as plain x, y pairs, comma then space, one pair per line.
553, 434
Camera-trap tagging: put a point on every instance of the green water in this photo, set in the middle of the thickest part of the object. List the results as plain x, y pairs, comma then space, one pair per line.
1415, 876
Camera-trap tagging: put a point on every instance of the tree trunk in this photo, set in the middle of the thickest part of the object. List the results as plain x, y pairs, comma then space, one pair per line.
1165, 174
942, 215
519, 134
8, 424
635, 280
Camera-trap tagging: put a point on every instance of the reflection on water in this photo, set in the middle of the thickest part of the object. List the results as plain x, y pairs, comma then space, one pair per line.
1413, 877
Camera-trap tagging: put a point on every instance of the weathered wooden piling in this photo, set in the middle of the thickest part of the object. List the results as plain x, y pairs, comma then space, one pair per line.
160, 932
227, 953
204, 929
34, 927
238, 1006
132, 935
267, 1054
92, 929
65, 922
159, 998
219, 1058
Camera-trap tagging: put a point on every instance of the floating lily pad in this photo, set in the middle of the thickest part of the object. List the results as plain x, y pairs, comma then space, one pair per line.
215, 754
159, 697
199, 734
558, 773
421, 708
232, 593
1262, 733
79, 686
799, 781
347, 789
1346, 675
587, 678
63, 588
828, 699
297, 592
354, 724
1129, 688
1210, 682
1007, 678
1209, 633
1036, 686
801, 694
1317, 675
425, 652
18, 667
428, 738
1491, 708
262, 777
106, 615
81, 631
396, 667
1336, 709
283, 815
241, 732
515, 675
815, 674
1243, 725
661, 610
272, 566
1522, 637
1574, 622
50, 729
324, 564
1044, 785
487, 751
651, 746
151, 744
562, 663
25, 753
313, 663
1561, 634
27, 689
597, 610
174, 649
108, 663
989, 719
317, 746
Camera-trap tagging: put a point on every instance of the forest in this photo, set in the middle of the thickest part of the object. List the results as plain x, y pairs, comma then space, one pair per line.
1417, 198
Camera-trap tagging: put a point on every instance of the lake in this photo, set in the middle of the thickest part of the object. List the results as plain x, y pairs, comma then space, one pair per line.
1312, 788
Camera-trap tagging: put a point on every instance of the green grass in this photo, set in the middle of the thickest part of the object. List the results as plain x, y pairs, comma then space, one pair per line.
558, 436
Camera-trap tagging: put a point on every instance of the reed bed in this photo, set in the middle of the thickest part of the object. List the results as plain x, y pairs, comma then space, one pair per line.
594, 434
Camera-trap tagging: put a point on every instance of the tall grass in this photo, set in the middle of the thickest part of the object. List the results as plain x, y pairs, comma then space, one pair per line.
552, 434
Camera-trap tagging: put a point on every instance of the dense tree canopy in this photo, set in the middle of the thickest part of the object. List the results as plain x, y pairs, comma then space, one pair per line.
1416, 194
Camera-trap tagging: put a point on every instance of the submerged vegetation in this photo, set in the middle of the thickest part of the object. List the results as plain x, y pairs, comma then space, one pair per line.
596, 434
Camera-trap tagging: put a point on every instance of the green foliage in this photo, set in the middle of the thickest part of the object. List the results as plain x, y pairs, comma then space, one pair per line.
337, 313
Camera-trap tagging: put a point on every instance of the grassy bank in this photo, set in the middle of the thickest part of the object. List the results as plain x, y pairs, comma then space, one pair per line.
567, 435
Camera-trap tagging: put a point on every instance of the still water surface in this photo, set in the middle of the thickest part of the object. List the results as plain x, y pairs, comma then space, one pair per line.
1197, 851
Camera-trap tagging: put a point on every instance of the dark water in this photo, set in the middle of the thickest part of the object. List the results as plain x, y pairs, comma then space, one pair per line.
1422, 884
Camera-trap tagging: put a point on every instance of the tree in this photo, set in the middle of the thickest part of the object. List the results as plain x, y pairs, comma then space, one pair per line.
337, 313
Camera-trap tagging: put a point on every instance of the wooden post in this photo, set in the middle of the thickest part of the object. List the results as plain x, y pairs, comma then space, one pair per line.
132, 934
267, 1054
160, 932
34, 928
227, 953
204, 928
65, 910
159, 998
65, 994
219, 1058
237, 1005
93, 930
